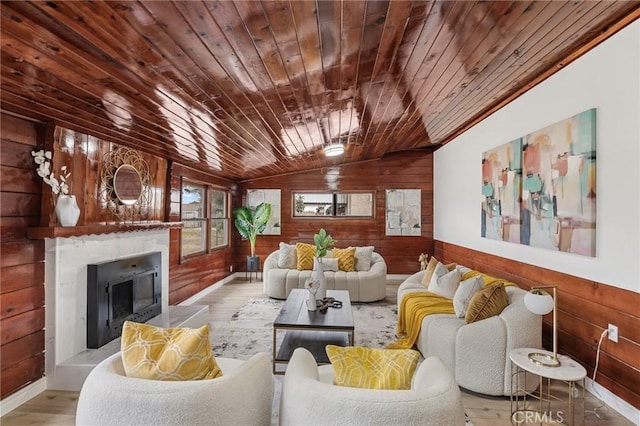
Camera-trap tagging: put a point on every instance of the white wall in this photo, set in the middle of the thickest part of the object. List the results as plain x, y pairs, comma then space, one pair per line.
606, 78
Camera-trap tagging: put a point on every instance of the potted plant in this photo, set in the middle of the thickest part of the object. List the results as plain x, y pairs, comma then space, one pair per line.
323, 242
251, 223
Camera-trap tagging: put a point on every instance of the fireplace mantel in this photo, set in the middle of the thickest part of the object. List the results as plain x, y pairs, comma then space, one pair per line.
96, 229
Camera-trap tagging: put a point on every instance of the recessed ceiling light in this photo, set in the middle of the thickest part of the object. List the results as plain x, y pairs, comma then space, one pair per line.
334, 149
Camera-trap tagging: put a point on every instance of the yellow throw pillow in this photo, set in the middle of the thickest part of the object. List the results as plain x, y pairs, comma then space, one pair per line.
346, 258
372, 368
157, 353
487, 302
305, 254
428, 272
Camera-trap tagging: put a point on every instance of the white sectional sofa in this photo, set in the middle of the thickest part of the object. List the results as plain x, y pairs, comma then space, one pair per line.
478, 353
363, 286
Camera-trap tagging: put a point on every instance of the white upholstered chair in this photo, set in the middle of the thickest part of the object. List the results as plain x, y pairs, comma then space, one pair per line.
309, 397
242, 396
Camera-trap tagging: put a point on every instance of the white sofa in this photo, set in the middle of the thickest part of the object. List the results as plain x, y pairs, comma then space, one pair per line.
309, 397
242, 396
363, 286
478, 353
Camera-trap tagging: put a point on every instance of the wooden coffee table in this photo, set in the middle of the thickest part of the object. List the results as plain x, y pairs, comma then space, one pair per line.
312, 330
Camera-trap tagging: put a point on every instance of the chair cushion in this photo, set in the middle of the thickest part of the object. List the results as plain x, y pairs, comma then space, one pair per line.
346, 258
373, 368
157, 353
330, 264
489, 301
428, 273
305, 254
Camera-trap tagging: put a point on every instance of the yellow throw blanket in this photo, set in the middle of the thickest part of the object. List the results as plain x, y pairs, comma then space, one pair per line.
414, 307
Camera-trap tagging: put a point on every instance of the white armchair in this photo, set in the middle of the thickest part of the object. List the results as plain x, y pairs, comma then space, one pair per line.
309, 397
243, 396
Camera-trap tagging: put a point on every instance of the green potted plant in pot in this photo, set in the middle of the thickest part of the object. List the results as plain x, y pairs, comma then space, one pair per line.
250, 224
323, 242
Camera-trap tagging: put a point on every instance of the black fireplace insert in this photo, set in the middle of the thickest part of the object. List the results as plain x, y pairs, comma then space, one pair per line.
127, 289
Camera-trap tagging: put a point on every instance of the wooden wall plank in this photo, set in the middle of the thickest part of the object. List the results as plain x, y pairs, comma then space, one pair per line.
400, 171
22, 260
585, 308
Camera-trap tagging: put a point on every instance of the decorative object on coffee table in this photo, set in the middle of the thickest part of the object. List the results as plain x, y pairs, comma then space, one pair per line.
312, 287
250, 223
323, 242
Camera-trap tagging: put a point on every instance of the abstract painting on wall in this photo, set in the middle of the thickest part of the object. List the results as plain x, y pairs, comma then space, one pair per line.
559, 186
540, 190
403, 212
501, 191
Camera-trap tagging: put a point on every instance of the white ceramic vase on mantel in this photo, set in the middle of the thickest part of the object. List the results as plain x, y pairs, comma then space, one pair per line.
318, 275
67, 210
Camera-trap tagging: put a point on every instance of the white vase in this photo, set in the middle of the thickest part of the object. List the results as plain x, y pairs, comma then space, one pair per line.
67, 211
311, 301
318, 275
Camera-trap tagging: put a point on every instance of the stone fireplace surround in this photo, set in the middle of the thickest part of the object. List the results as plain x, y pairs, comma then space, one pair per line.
67, 359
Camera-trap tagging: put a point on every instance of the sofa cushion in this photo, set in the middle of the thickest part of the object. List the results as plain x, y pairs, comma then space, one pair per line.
428, 273
157, 353
346, 258
443, 282
287, 256
464, 293
305, 254
363, 258
373, 368
489, 301
330, 264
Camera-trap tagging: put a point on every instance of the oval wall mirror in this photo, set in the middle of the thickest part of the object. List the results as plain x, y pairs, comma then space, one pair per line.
127, 184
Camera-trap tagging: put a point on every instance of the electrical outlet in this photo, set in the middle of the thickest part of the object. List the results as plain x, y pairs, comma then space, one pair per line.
613, 333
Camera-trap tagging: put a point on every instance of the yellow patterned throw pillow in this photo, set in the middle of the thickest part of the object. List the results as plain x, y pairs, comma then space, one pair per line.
157, 353
346, 258
372, 368
305, 254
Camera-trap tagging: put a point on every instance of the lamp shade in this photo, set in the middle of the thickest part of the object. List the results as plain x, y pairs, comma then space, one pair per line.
333, 149
539, 303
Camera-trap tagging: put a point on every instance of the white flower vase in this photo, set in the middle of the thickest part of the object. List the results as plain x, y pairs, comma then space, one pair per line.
311, 301
318, 275
67, 210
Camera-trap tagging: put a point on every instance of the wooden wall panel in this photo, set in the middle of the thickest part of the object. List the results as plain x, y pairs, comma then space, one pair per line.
585, 308
22, 260
189, 276
411, 170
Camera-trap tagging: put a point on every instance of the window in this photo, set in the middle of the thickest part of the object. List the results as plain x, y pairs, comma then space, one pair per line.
340, 204
204, 213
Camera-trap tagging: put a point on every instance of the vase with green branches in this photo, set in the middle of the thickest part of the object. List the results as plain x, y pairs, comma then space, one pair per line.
323, 242
251, 223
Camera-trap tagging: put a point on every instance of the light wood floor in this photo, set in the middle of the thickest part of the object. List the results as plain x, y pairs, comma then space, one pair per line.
58, 407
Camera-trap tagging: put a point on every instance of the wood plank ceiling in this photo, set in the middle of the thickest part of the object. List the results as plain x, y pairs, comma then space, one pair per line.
245, 89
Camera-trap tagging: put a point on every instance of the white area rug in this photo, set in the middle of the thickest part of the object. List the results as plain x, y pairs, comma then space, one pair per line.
250, 330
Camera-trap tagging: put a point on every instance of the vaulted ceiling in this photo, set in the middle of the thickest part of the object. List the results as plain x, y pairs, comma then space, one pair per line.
245, 89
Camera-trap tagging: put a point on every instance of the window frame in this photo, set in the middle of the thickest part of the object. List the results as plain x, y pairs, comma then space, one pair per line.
334, 197
207, 217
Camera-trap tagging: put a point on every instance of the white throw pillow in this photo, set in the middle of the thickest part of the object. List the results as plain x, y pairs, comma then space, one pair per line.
363, 258
330, 264
444, 283
464, 293
287, 256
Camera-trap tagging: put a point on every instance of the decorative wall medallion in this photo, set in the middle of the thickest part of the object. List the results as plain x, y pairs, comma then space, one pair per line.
124, 186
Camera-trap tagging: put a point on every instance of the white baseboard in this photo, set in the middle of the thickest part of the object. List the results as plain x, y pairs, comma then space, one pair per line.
397, 276
209, 289
614, 401
15, 400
